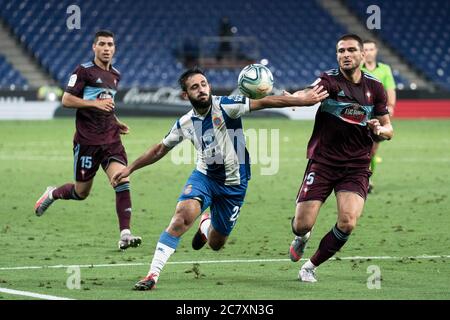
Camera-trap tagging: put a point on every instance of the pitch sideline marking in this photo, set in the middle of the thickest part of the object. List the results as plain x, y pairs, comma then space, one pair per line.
32, 294
60, 266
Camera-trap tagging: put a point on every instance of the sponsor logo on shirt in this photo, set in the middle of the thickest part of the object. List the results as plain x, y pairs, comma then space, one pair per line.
353, 114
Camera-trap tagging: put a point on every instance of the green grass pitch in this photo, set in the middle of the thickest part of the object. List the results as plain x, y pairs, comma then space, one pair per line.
407, 216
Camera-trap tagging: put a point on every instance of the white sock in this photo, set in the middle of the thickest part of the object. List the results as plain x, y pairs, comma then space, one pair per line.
160, 257
308, 265
125, 231
204, 227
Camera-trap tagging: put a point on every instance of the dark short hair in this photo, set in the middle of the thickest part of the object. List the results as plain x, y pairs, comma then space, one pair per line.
351, 36
370, 41
186, 75
103, 33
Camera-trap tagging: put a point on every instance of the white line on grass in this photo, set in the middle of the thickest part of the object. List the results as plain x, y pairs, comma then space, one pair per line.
60, 266
32, 294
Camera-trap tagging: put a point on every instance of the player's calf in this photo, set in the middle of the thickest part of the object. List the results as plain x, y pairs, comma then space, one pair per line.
201, 236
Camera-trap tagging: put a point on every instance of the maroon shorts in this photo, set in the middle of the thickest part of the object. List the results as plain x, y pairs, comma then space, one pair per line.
320, 179
87, 159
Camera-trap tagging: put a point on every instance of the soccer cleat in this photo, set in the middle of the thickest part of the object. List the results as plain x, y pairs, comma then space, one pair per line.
44, 201
307, 275
128, 240
148, 283
199, 240
297, 247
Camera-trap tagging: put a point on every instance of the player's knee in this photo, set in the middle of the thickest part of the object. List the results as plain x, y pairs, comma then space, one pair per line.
82, 195
300, 228
346, 224
178, 222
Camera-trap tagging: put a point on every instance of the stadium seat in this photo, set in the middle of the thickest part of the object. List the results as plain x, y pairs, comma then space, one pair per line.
10, 77
418, 30
149, 33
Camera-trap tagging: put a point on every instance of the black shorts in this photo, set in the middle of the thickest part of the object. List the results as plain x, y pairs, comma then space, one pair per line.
320, 180
87, 159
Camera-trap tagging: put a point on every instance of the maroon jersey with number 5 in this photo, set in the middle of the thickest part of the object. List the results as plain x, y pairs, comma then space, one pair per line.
341, 136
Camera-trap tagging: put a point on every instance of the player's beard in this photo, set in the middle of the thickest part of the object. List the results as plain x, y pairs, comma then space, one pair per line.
201, 106
351, 70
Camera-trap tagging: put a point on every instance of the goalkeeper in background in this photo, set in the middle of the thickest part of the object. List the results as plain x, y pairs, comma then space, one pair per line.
383, 73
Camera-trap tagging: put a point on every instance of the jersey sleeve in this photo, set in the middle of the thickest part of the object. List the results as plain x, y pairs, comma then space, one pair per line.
77, 82
174, 137
388, 81
323, 80
380, 100
235, 106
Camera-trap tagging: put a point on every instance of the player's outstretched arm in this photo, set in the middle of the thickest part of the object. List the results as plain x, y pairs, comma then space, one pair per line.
381, 126
71, 101
152, 155
307, 97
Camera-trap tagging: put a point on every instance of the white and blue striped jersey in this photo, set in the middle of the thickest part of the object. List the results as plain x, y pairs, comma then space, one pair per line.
218, 138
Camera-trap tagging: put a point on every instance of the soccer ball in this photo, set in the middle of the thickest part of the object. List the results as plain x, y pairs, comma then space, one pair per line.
255, 81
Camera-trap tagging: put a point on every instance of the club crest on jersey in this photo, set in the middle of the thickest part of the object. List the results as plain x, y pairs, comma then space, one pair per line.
354, 114
369, 96
217, 121
105, 95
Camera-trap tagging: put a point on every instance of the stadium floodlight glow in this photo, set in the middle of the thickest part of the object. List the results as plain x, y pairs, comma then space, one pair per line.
264, 62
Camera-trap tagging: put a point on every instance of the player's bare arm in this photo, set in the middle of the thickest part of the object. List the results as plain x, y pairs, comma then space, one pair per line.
151, 156
391, 100
381, 126
124, 128
307, 97
71, 101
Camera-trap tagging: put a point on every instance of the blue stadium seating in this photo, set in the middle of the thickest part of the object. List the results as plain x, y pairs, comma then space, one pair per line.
10, 77
297, 37
419, 30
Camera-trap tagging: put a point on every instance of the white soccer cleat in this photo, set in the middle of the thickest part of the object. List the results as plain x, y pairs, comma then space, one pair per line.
44, 201
297, 247
307, 275
128, 240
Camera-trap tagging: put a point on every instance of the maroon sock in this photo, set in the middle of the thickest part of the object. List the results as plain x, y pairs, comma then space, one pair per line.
66, 192
329, 245
123, 205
